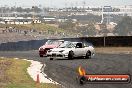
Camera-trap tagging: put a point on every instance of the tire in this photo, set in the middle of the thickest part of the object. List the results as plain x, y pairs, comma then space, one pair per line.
51, 58
41, 55
88, 55
70, 55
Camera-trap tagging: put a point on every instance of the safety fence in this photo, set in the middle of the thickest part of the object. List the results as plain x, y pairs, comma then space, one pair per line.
109, 41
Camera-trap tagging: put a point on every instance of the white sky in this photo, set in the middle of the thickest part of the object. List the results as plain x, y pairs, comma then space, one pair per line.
63, 3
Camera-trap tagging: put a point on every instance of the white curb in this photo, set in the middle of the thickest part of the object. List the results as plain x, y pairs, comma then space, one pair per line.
36, 69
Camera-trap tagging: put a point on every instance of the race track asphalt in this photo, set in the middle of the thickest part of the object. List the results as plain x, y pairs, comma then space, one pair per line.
65, 71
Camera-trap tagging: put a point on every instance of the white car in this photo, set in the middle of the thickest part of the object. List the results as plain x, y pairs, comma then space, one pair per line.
70, 50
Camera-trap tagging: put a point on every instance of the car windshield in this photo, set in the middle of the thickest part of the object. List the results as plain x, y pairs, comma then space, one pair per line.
53, 42
66, 44
49, 42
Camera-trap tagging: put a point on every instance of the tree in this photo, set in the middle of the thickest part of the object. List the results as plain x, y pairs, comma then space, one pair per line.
37, 9
88, 30
91, 30
19, 9
124, 26
68, 25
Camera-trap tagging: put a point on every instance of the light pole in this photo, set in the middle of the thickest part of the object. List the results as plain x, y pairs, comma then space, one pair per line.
104, 41
33, 14
33, 7
102, 16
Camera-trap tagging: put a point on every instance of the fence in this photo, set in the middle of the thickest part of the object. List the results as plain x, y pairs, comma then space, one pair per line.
110, 41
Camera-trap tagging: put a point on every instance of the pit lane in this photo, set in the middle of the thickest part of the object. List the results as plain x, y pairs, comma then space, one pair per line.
65, 71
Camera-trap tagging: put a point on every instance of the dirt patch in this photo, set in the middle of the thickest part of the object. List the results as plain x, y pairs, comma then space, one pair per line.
4, 66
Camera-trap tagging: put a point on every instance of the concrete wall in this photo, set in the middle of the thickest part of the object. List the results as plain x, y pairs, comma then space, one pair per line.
111, 41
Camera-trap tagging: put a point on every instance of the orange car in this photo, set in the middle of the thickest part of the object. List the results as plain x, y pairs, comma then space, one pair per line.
50, 44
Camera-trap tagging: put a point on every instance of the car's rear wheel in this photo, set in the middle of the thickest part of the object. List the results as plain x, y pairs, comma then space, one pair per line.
70, 55
88, 55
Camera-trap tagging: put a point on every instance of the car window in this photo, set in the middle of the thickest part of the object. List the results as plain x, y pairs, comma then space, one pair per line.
65, 44
71, 45
49, 42
79, 45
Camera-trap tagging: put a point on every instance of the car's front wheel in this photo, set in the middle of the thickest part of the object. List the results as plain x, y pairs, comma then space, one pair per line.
88, 54
51, 58
41, 55
70, 55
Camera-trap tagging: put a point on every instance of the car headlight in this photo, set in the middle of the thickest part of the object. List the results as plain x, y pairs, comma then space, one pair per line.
61, 51
41, 49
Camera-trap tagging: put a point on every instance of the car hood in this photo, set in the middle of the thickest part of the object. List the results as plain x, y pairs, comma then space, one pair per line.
48, 46
60, 49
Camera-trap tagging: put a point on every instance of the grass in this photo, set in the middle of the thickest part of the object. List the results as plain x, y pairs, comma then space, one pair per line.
43, 27
40, 27
46, 28
14, 75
